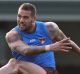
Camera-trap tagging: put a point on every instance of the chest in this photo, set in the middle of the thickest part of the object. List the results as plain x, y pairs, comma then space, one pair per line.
38, 38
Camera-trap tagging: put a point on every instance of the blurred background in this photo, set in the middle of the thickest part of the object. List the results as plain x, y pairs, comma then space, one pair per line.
66, 13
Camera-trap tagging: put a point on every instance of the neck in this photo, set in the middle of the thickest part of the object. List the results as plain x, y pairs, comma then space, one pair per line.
32, 29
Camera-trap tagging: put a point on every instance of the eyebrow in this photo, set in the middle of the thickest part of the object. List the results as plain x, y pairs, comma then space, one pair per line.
22, 16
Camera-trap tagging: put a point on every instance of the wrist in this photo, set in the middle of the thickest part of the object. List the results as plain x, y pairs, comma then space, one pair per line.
47, 48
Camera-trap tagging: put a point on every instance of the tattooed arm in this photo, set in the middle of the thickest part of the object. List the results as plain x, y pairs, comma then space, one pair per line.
15, 43
57, 34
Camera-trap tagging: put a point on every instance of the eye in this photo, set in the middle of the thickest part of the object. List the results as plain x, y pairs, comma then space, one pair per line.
25, 17
19, 16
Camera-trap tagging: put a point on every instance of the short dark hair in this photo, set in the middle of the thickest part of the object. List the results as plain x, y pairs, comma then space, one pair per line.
29, 7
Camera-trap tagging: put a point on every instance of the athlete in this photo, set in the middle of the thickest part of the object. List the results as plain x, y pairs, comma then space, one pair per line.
33, 44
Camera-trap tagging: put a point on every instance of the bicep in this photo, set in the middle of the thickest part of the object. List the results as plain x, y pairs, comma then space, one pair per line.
55, 32
59, 35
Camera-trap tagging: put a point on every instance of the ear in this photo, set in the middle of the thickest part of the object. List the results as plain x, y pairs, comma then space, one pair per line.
34, 18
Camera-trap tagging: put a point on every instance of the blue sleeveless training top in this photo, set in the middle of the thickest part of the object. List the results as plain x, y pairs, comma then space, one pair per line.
39, 37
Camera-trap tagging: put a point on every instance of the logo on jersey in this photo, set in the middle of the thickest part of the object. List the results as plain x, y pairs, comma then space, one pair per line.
32, 40
42, 40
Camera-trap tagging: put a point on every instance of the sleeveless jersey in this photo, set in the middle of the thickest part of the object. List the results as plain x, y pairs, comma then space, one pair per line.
39, 37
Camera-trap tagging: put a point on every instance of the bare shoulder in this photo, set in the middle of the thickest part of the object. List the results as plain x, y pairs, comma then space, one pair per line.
11, 35
51, 25
54, 31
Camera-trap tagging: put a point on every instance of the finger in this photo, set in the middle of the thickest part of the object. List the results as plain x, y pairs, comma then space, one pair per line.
66, 44
64, 50
64, 40
66, 47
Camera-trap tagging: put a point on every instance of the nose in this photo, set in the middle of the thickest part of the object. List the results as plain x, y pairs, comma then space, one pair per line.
22, 19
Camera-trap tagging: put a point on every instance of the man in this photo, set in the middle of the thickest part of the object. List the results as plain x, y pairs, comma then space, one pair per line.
32, 44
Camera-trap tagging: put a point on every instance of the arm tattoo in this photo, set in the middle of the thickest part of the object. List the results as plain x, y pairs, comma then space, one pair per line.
59, 34
32, 50
56, 33
13, 38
